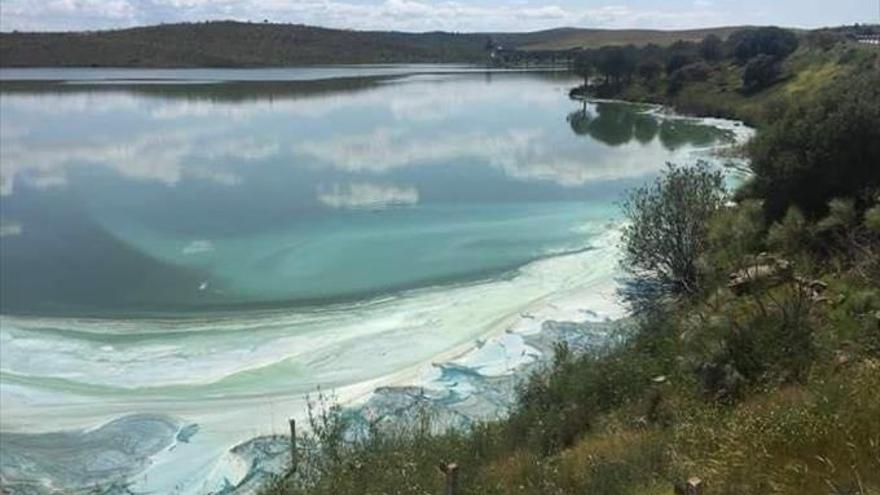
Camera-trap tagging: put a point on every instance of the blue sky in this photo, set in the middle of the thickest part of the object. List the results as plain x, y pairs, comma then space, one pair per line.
449, 15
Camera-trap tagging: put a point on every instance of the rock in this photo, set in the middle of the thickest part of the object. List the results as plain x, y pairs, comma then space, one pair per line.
813, 288
766, 270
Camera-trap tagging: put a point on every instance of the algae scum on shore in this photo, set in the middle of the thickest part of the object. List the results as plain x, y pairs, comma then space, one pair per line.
183, 263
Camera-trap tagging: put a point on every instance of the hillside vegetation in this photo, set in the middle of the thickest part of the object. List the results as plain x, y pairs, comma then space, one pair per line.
234, 44
753, 359
573, 39
751, 75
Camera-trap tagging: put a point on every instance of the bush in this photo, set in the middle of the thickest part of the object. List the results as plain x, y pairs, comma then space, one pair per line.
734, 234
695, 72
872, 219
820, 150
667, 231
760, 72
771, 41
712, 48
792, 234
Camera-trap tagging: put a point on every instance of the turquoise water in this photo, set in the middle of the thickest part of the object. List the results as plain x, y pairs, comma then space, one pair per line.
212, 252
159, 199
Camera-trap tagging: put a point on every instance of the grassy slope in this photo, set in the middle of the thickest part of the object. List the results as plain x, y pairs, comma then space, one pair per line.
243, 44
566, 39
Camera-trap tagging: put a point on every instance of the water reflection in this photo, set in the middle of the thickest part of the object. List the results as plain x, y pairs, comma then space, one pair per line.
271, 192
616, 124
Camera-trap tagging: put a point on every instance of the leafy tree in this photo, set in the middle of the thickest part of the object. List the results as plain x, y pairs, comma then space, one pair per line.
667, 231
712, 48
679, 54
821, 150
773, 41
617, 62
649, 71
585, 65
760, 72
677, 61
695, 72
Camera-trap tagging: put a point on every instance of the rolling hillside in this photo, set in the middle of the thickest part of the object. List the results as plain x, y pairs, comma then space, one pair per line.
224, 44
569, 38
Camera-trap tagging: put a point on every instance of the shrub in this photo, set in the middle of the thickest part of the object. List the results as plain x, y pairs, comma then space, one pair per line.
712, 48
820, 150
734, 234
667, 231
760, 72
650, 70
695, 72
872, 219
792, 234
775, 42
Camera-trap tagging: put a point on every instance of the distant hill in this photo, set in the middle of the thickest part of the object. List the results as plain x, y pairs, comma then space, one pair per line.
569, 38
227, 43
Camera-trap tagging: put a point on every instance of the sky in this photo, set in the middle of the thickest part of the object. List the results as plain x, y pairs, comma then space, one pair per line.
430, 15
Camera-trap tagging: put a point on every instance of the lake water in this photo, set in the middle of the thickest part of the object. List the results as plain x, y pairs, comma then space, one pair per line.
211, 245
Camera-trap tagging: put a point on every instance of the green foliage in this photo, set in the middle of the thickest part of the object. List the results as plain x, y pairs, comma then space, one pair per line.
694, 72
712, 48
733, 234
650, 71
760, 72
823, 39
617, 62
791, 234
841, 216
872, 219
771, 41
667, 230
558, 406
820, 150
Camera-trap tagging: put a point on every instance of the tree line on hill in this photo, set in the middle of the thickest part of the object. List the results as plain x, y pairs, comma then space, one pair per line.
759, 51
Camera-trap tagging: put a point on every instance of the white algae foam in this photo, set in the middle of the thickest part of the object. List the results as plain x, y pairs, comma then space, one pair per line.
241, 376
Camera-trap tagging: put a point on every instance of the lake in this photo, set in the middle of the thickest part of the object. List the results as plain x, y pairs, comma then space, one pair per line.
207, 246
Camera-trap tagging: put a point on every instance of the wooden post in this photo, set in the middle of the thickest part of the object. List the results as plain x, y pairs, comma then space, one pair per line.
451, 472
292, 445
694, 486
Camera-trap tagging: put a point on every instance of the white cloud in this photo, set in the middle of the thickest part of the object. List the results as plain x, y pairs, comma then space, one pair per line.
365, 195
523, 154
161, 156
10, 229
408, 15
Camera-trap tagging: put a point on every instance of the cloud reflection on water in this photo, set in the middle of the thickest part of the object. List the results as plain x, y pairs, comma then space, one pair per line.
432, 120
